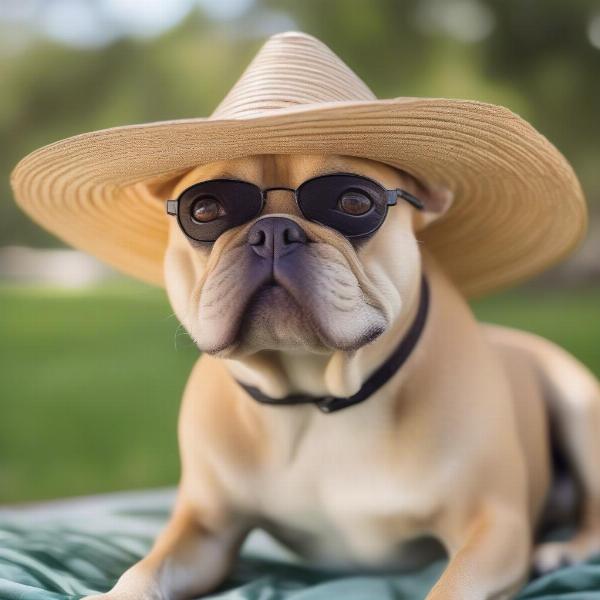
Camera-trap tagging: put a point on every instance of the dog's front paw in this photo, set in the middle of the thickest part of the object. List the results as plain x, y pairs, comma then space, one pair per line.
554, 555
551, 556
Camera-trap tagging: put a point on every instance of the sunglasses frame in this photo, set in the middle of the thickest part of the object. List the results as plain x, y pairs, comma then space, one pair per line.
391, 197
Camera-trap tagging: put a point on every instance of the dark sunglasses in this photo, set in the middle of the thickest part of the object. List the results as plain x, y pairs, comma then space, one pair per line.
353, 205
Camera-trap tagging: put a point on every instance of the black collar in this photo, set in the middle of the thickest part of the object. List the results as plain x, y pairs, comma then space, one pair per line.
378, 378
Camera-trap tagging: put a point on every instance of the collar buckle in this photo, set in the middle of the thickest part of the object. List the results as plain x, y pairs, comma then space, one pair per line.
329, 404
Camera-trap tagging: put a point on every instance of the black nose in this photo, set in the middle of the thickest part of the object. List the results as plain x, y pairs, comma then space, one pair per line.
274, 237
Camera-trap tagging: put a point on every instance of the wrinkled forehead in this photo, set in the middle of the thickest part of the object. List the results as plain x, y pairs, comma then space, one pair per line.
290, 170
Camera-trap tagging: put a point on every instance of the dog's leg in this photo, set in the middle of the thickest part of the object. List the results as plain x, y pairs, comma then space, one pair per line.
573, 397
189, 558
489, 558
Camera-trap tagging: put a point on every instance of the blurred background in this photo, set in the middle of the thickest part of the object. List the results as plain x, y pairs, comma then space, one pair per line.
93, 364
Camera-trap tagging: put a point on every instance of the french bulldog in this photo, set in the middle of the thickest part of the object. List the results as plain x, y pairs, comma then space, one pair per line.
452, 454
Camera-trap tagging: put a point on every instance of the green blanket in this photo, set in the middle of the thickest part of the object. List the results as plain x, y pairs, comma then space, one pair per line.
70, 549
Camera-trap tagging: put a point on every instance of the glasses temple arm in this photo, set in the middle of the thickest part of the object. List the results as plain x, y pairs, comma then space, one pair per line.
413, 200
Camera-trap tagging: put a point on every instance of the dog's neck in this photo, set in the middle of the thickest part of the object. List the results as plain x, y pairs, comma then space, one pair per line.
341, 374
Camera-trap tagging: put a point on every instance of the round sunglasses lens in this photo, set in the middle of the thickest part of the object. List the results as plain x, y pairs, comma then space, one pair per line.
209, 208
353, 205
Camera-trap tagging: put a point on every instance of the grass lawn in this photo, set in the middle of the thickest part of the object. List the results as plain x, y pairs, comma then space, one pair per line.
90, 382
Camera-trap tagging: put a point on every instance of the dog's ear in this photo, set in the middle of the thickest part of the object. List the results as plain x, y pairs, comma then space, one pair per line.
436, 201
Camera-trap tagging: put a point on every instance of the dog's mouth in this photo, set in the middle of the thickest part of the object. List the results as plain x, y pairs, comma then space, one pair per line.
304, 302
273, 318
268, 297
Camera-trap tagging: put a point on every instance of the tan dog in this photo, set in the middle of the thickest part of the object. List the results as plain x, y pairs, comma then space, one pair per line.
455, 447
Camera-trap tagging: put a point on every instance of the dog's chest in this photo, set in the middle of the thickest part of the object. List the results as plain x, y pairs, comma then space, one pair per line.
340, 496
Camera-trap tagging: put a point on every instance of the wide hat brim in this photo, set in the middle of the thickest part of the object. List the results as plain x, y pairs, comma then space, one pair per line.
518, 206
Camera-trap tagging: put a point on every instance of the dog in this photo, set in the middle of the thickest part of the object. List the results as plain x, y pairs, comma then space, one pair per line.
452, 454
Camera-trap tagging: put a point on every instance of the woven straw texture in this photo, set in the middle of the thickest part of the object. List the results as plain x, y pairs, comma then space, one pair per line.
518, 205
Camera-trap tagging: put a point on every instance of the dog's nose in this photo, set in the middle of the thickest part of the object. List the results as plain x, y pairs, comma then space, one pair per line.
274, 237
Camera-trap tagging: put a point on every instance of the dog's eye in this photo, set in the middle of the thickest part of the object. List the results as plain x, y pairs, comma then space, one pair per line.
355, 203
207, 209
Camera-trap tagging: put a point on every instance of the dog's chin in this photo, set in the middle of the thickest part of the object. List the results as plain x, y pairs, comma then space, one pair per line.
274, 320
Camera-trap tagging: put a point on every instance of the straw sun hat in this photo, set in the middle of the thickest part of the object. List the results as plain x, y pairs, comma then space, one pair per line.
518, 205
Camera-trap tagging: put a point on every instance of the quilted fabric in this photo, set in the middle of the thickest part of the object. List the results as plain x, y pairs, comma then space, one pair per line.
67, 550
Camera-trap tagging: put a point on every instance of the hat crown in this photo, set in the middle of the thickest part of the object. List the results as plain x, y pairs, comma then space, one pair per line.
291, 68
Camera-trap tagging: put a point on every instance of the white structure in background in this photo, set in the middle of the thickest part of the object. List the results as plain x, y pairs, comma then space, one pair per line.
68, 268
59, 267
